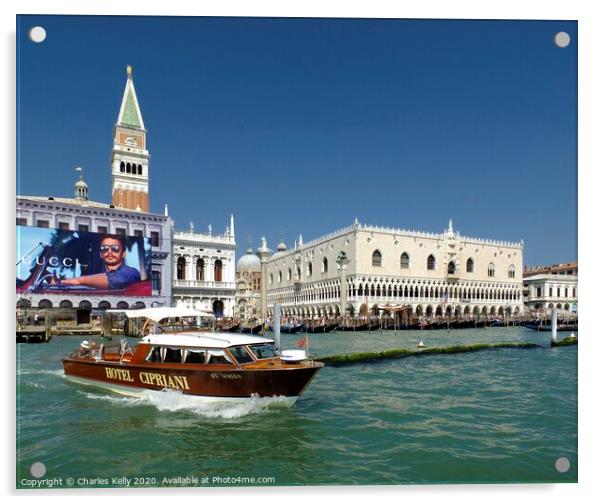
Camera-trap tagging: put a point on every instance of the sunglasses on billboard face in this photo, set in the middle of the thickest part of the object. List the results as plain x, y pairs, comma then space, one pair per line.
113, 248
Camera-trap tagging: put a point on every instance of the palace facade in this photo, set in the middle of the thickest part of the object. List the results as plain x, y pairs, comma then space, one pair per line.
204, 270
365, 269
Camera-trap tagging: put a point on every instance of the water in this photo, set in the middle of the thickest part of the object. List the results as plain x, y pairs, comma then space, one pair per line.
492, 416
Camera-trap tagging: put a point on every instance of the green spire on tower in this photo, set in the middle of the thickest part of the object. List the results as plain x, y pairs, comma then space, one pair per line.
129, 114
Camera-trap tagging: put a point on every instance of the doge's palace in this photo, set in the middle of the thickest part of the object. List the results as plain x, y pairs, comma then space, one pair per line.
364, 269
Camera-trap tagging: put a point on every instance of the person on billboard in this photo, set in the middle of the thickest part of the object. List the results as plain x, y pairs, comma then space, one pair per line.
117, 274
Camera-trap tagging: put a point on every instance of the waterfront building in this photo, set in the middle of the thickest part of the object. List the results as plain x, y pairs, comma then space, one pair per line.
204, 270
555, 285
127, 215
83, 215
248, 286
364, 269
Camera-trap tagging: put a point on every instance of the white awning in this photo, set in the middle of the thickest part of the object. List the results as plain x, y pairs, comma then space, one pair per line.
160, 313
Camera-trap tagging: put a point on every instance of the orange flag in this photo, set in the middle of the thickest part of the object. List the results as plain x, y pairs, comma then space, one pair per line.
302, 343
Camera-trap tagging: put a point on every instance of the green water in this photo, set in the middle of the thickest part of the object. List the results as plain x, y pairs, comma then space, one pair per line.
496, 416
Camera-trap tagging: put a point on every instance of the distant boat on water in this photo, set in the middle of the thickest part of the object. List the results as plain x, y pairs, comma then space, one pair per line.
548, 327
251, 328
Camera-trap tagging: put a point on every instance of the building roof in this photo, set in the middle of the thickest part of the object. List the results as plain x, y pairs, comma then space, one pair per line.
160, 313
85, 204
550, 269
129, 112
203, 340
67, 201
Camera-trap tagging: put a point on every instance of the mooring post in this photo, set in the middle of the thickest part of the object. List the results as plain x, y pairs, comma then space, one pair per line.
277, 326
554, 323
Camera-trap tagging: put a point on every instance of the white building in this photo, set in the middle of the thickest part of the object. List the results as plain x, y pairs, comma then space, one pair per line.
554, 286
81, 214
362, 268
127, 215
204, 270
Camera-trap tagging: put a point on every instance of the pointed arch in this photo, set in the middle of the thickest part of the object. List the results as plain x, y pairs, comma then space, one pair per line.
404, 261
470, 265
511, 271
430, 262
377, 259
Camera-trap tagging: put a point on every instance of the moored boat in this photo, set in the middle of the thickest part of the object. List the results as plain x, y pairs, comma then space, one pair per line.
353, 326
548, 327
315, 328
212, 365
251, 328
289, 328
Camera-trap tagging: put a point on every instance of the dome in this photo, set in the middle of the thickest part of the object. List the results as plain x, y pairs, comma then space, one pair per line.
81, 183
248, 263
281, 249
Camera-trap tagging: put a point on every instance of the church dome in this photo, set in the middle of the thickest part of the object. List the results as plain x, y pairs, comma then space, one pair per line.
281, 249
248, 263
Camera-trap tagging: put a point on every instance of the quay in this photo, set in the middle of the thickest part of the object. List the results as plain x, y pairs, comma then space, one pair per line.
33, 334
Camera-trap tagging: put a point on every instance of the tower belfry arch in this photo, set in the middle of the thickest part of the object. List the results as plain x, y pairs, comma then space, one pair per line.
130, 157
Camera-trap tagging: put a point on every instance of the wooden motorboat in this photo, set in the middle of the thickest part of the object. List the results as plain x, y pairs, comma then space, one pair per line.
212, 365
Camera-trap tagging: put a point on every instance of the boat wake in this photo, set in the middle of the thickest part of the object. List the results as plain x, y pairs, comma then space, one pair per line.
209, 407
53, 372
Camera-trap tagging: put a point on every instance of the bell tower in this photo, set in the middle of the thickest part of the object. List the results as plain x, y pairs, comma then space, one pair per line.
129, 158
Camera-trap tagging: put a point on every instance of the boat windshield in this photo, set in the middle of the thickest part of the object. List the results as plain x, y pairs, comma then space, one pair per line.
263, 350
241, 354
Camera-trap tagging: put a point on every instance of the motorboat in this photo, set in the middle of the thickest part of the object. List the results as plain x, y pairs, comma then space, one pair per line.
212, 365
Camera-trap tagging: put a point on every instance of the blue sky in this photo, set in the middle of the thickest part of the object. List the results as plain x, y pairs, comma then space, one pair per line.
301, 125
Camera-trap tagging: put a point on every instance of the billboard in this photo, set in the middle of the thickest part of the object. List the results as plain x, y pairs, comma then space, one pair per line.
56, 261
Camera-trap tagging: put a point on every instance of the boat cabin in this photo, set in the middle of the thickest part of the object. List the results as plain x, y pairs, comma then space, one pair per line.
216, 348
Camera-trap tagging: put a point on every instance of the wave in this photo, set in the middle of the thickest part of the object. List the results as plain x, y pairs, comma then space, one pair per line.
53, 372
173, 401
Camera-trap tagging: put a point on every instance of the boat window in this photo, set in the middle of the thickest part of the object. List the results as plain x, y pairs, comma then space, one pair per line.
173, 355
218, 357
240, 354
193, 357
154, 355
263, 350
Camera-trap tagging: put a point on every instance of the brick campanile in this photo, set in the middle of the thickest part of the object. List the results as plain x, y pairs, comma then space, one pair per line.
130, 157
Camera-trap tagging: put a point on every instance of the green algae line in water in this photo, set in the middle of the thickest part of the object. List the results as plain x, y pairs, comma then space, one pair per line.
564, 342
361, 357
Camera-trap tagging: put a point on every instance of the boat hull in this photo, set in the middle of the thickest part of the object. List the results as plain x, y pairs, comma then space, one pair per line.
286, 401
218, 382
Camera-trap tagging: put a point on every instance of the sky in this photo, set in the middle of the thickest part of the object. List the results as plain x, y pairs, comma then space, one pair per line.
299, 126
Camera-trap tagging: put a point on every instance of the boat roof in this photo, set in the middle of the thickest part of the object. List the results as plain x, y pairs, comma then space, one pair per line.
203, 340
163, 312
